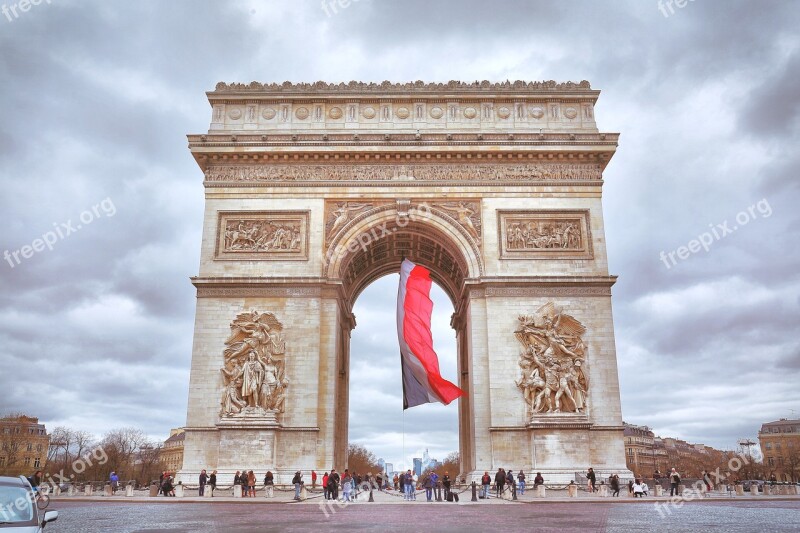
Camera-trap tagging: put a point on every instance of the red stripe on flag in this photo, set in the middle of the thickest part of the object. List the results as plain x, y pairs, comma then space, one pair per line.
417, 332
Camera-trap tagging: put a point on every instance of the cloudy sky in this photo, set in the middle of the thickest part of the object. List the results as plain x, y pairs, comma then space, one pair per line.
97, 97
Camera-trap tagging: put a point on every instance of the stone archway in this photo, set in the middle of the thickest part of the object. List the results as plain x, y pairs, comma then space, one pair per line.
314, 190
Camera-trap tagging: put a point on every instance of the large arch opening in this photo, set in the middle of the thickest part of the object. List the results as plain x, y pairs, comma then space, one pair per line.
376, 418
372, 248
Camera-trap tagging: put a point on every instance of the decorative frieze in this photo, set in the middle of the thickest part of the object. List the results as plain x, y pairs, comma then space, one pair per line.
498, 172
262, 235
539, 234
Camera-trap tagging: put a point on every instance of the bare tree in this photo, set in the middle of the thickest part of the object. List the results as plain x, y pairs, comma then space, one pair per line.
361, 460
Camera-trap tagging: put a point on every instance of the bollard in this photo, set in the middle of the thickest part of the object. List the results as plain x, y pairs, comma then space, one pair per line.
658, 490
474, 492
572, 491
153, 490
270, 492
179, 491
88, 490
71, 490
541, 492
237, 491
57, 491
209, 492
129, 491
514, 492
739, 490
371, 499
107, 490
604, 491
303, 492
754, 489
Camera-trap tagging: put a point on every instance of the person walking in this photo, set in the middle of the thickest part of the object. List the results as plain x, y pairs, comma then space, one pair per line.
212, 482
674, 483
521, 482
325, 492
499, 481
203, 480
114, 479
297, 481
510, 482
486, 482
591, 480
614, 481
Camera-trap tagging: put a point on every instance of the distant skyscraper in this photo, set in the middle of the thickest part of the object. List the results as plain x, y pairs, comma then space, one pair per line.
388, 468
417, 466
382, 464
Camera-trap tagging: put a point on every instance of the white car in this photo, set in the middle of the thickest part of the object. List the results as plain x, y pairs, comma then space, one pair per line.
18, 510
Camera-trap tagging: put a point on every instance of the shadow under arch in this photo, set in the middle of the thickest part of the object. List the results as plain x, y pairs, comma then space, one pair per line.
374, 244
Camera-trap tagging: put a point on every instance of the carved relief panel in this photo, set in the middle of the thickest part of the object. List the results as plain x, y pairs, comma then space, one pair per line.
262, 235
545, 234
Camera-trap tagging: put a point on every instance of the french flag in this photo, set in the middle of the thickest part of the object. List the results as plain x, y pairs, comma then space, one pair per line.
422, 382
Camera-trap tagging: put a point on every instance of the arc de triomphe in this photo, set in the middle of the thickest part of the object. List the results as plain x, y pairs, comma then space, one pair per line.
315, 190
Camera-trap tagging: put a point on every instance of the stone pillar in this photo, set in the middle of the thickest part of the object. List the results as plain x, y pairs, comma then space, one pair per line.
572, 491
303, 493
107, 490
754, 490
71, 490
739, 490
658, 490
797, 490
270, 492
88, 490
237, 491
208, 493
604, 491
180, 491
153, 491
128, 491
57, 490
541, 491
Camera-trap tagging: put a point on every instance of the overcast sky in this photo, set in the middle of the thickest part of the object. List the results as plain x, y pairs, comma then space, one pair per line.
97, 98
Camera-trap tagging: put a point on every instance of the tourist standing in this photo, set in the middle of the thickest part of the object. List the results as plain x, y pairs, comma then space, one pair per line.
674, 483
427, 484
510, 482
408, 484
396, 481
325, 492
313, 479
614, 485
538, 480
114, 479
297, 480
486, 482
347, 485
212, 482
446, 485
521, 480
591, 480
499, 481
333, 484
251, 483
203, 480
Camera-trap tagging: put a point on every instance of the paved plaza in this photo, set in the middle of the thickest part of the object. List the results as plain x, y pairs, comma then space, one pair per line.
390, 514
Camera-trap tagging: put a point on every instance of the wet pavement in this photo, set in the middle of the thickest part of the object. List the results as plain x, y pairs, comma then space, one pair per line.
245, 516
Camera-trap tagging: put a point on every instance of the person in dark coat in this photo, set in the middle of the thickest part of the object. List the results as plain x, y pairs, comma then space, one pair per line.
446, 484
538, 480
333, 484
499, 481
167, 487
614, 481
212, 482
203, 480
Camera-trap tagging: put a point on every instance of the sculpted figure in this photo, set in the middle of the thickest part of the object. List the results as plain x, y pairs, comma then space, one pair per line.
464, 217
343, 213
